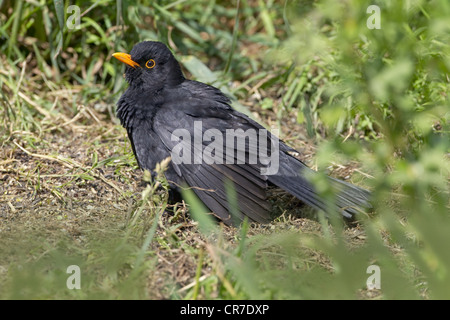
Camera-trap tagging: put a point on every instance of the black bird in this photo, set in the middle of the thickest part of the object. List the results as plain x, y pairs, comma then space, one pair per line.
164, 113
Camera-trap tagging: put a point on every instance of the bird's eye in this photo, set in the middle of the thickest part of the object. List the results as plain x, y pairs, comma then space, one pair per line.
150, 63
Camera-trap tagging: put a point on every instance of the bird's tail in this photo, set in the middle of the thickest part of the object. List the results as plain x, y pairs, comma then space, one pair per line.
350, 199
293, 177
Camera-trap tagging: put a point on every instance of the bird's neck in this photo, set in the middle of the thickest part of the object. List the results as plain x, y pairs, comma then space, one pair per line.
175, 75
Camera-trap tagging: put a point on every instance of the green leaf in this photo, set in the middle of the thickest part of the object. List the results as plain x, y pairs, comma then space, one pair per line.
199, 212
198, 69
59, 9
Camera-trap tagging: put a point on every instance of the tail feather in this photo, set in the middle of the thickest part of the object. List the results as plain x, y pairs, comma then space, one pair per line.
350, 199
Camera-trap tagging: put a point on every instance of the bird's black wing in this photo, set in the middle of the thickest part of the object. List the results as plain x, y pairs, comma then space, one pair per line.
203, 104
208, 177
291, 175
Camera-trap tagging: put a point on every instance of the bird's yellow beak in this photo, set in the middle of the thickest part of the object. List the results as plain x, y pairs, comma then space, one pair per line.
125, 58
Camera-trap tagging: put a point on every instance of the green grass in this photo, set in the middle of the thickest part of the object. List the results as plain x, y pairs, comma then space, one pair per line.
364, 104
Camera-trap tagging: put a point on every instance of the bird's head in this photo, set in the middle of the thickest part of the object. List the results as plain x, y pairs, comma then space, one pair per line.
150, 66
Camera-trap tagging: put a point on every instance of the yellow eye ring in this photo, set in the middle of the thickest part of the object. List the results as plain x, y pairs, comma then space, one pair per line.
150, 63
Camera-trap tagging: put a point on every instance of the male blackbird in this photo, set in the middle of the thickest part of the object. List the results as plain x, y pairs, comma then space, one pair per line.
211, 143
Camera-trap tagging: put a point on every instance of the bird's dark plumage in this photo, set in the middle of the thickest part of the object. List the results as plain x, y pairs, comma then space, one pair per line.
159, 100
